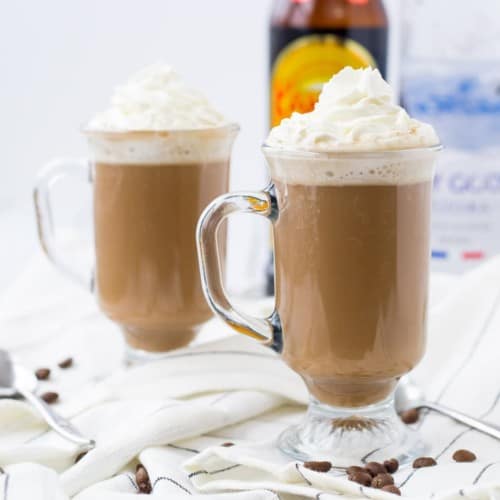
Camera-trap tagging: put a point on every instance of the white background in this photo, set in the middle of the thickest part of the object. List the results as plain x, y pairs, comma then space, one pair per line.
60, 59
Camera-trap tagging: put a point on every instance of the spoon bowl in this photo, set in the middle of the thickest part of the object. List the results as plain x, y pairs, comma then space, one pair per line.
17, 381
409, 395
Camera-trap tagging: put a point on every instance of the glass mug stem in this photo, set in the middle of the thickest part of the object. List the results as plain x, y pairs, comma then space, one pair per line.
58, 170
265, 330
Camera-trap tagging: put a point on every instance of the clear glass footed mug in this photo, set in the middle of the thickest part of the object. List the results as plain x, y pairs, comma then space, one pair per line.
351, 243
149, 189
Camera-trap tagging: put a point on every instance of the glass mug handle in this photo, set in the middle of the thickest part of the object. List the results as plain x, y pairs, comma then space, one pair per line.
53, 172
266, 330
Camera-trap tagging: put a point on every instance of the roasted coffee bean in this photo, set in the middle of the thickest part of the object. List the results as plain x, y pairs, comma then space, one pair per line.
145, 488
50, 397
381, 480
80, 456
141, 474
66, 363
227, 445
354, 468
409, 416
391, 465
424, 462
464, 456
142, 479
42, 373
323, 466
390, 488
374, 468
362, 478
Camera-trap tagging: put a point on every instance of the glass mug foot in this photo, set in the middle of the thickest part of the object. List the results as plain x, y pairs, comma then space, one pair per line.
348, 436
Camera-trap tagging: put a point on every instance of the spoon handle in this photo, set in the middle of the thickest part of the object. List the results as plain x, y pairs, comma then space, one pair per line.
474, 423
61, 425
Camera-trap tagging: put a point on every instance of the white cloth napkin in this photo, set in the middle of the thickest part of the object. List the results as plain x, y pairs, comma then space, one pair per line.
172, 415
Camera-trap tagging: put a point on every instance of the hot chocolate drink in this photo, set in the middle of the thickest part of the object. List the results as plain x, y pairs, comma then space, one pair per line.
146, 265
350, 207
352, 241
161, 153
149, 191
352, 288
158, 155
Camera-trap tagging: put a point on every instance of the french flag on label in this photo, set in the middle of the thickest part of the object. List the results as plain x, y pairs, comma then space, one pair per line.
439, 254
473, 255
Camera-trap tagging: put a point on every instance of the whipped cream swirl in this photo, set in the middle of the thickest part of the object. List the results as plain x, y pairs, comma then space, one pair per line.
156, 98
355, 112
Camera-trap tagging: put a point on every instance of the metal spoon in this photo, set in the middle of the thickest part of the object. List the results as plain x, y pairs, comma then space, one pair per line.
18, 381
408, 396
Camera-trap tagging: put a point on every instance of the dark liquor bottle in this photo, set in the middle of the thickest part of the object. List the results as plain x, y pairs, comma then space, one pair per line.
310, 41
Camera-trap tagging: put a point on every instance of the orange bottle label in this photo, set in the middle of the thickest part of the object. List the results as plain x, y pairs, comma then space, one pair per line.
305, 65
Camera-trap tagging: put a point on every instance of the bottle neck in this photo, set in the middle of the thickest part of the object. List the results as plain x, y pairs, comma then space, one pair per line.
329, 13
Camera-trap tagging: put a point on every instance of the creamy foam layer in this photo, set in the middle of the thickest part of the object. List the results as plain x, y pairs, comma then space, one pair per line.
157, 98
160, 148
354, 135
155, 118
355, 112
394, 168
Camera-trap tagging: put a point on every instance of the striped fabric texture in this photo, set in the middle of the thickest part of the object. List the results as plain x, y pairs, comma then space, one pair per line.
174, 414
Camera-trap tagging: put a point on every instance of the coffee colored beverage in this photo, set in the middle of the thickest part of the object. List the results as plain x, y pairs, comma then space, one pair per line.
350, 207
147, 275
353, 185
149, 191
157, 155
351, 285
